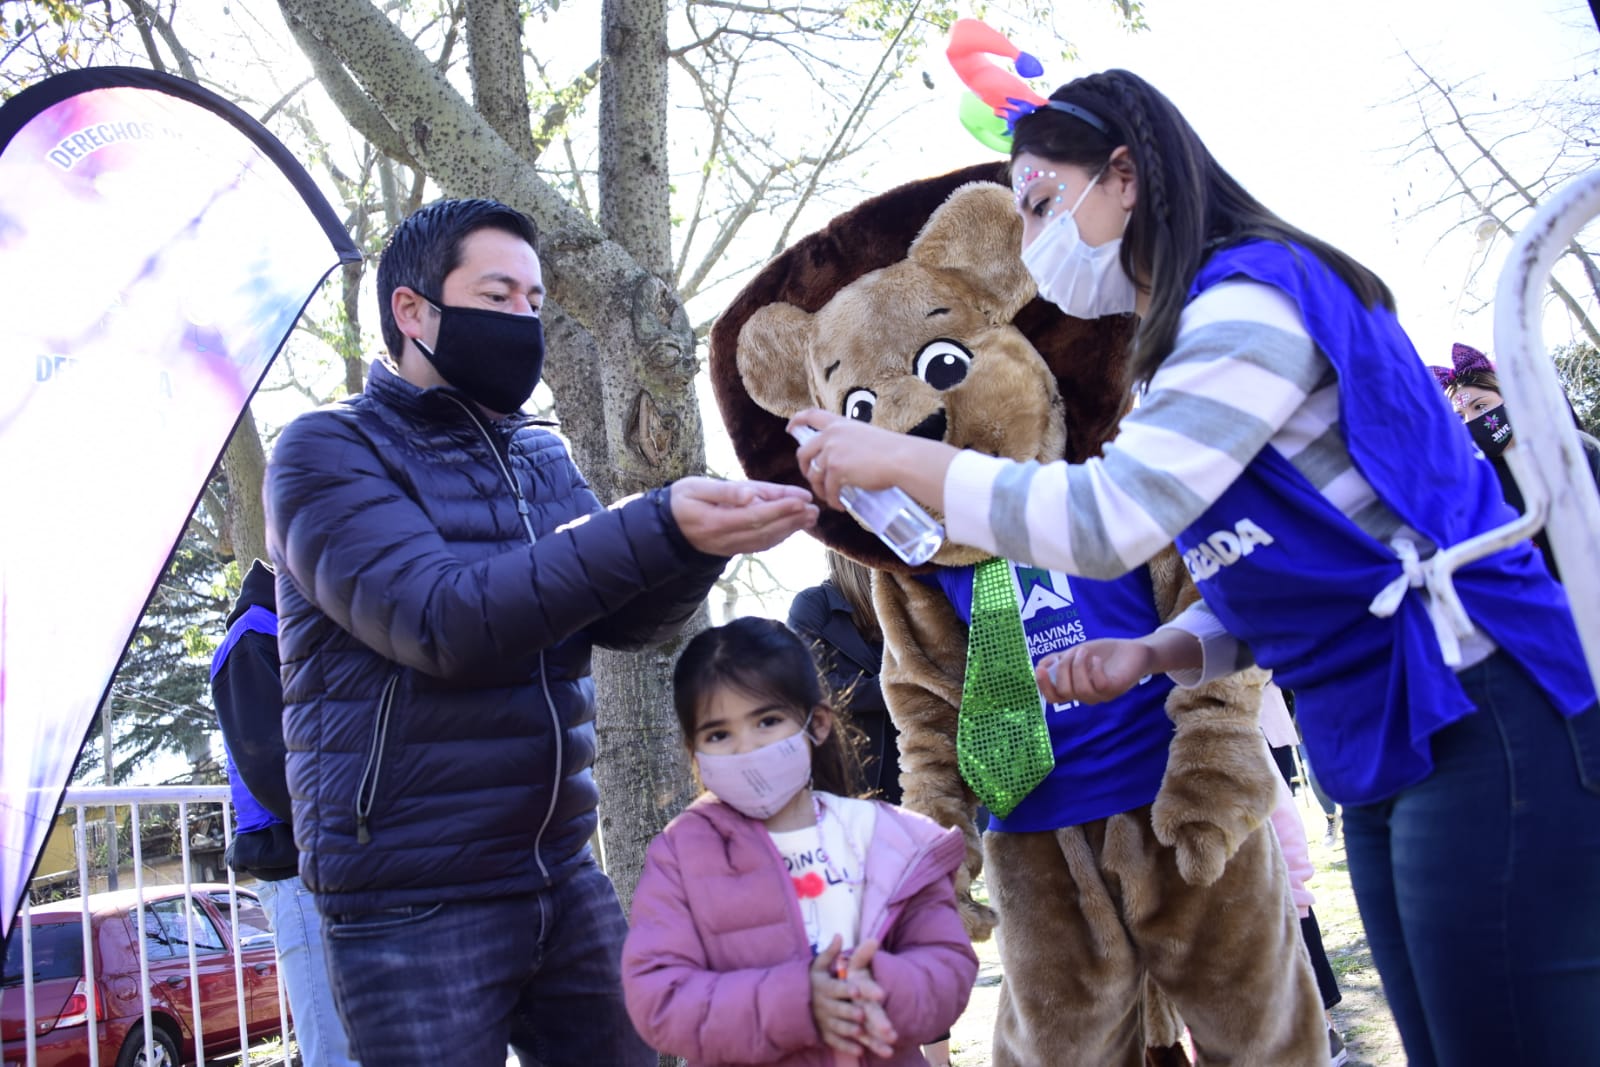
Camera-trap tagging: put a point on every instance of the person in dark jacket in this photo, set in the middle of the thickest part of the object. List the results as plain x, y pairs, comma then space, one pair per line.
837, 621
249, 700
443, 573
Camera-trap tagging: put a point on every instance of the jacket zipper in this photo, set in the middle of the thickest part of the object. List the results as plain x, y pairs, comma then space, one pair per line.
890, 912
544, 682
365, 795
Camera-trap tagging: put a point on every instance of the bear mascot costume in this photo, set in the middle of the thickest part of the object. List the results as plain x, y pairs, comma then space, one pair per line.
1134, 871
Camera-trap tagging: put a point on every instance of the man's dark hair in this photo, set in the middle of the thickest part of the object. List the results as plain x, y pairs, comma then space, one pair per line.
426, 247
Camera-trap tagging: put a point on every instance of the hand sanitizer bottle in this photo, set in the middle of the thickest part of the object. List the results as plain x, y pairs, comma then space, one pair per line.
890, 513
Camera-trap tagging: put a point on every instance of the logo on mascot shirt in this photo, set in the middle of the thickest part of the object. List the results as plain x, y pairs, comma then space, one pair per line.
1049, 618
1041, 590
1225, 548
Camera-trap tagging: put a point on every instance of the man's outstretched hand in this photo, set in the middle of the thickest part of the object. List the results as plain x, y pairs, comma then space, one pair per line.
727, 518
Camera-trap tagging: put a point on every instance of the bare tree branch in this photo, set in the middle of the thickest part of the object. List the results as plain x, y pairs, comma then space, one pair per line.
1488, 156
1499, 199
347, 96
869, 92
283, 101
146, 18
555, 117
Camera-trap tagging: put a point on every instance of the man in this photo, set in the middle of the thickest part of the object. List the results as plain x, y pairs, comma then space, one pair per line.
249, 701
443, 571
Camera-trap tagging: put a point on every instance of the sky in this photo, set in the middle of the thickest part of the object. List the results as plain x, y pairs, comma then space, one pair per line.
1295, 99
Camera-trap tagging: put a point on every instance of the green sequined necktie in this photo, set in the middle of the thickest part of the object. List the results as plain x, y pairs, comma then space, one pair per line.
1002, 740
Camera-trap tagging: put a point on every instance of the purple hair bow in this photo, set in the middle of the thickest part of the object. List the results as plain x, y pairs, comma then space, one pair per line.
1465, 360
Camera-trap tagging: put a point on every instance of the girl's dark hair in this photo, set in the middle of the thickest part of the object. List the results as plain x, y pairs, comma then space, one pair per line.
1187, 205
763, 658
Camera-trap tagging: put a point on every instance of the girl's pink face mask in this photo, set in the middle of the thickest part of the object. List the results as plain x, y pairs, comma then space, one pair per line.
758, 783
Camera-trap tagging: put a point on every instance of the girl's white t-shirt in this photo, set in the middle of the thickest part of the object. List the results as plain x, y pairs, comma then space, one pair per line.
827, 864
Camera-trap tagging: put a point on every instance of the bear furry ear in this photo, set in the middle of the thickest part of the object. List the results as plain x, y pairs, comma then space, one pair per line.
977, 234
774, 347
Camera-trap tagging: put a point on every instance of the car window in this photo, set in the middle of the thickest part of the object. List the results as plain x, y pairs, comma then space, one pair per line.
251, 928
57, 953
168, 929
158, 943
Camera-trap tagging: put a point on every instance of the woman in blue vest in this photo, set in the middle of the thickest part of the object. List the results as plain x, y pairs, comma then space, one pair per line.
1296, 448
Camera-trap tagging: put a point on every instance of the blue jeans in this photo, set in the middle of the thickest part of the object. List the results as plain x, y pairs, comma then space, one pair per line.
1480, 886
297, 928
451, 982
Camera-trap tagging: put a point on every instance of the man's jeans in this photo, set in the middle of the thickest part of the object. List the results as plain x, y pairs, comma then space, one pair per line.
450, 982
1480, 886
297, 928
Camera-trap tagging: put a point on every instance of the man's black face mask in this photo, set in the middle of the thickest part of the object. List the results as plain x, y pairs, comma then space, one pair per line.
493, 357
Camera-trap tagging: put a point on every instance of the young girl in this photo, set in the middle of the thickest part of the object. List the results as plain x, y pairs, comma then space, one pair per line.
1294, 445
779, 923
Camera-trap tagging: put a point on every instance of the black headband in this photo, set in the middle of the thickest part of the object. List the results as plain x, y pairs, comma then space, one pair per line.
1083, 114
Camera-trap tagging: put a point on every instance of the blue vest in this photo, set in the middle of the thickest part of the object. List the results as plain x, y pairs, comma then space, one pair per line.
248, 814
1109, 757
1291, 576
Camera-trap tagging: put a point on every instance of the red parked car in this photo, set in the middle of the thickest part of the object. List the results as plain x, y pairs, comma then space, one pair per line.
62, 989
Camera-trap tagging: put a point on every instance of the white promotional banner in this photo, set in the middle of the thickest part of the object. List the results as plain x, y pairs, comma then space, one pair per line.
156, 247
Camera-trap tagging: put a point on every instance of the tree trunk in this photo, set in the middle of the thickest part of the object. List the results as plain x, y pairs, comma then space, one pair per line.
646, 346
245, 464
499, 86
640, 423
113, 860
640, 764
635, 208
355, 368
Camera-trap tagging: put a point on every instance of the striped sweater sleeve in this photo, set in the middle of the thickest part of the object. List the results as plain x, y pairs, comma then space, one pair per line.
1243, 364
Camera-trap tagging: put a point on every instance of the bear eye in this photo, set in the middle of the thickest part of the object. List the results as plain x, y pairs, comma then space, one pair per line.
943, 364
859, 404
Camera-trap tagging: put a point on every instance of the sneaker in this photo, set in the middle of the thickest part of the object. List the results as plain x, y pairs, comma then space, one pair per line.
1330, 838
1339, 1055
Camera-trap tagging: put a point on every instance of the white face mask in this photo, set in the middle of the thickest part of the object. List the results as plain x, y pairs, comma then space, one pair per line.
1084, 281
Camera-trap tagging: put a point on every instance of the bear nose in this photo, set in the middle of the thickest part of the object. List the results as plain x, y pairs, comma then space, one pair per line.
932, 427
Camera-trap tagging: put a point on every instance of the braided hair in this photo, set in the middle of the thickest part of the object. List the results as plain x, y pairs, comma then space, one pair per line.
1187, 205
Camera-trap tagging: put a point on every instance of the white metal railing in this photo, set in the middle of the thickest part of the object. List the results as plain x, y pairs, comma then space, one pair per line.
1549, 461
79, 798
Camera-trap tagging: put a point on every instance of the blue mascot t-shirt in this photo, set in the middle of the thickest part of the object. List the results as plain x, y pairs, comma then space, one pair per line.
1109, 757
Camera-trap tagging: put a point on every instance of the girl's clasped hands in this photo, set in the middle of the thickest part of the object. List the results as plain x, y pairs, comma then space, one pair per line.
847, 1003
